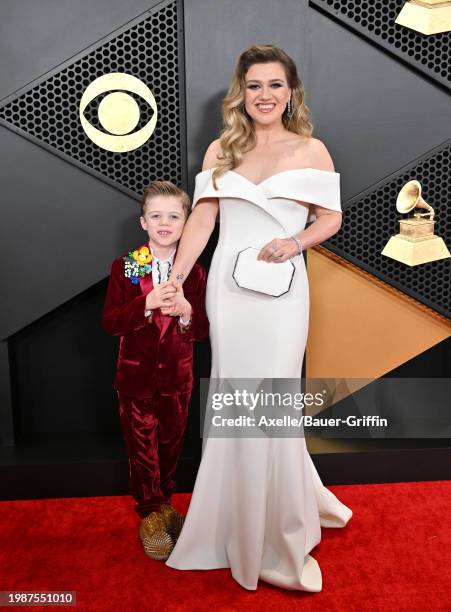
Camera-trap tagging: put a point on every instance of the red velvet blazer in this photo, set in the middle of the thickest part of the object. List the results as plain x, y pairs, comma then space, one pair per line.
153, 353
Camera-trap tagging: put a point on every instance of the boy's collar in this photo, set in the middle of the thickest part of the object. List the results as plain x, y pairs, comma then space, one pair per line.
170, 258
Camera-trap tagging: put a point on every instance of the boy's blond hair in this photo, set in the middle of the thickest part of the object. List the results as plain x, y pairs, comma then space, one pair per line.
165, 188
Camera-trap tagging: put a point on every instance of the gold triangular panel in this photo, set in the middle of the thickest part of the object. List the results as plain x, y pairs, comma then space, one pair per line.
361, 327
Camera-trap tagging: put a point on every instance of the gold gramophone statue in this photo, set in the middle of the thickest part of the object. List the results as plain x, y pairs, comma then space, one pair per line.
416, 243
426, 16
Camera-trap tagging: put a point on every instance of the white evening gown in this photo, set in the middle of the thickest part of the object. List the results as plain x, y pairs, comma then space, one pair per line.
258, 503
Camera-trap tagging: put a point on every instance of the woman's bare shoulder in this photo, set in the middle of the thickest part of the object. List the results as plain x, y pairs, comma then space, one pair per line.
212, 154
318, 155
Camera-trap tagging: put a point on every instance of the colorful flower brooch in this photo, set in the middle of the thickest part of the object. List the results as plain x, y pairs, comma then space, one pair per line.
137, 264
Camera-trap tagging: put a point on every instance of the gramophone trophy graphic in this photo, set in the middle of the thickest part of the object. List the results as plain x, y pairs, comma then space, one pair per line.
416, 242
426, 16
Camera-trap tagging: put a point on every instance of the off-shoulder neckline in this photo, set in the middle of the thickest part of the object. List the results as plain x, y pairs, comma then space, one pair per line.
271, 176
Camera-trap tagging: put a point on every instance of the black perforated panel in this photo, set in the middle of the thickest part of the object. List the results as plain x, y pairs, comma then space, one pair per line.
376, 20
48, 112
371, 218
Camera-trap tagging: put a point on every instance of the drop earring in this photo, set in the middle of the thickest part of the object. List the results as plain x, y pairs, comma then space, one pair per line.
289, 109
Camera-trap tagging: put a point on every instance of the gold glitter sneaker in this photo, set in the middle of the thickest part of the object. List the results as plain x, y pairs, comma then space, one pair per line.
156, 541
173, 521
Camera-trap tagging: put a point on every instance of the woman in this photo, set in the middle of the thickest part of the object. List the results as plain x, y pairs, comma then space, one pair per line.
258, 503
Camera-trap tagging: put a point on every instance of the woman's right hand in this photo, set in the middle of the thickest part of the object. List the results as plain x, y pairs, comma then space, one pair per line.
278, 250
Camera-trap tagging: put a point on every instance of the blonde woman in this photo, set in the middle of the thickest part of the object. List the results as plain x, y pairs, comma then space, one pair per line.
258, 503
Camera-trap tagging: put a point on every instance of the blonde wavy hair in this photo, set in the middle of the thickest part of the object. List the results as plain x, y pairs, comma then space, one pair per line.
238, 133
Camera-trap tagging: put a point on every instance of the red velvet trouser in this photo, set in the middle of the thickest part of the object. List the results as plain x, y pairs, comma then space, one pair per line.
153, 430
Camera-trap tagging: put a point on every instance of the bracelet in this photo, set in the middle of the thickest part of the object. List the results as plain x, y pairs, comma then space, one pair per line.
184, 323
184, 328
298, 244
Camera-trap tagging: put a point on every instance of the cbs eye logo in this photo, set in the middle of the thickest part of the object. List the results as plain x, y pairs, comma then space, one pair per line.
118, 112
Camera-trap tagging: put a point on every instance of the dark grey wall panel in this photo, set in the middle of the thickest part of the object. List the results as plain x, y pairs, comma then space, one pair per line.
78, 225
376, 22
67, 226
62, 368
37, 36
374, 113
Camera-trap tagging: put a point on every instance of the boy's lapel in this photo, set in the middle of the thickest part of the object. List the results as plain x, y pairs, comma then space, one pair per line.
146, 283
165, 322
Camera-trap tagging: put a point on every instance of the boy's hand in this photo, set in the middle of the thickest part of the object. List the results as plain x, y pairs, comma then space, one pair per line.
180, 307
172, 309
161, 296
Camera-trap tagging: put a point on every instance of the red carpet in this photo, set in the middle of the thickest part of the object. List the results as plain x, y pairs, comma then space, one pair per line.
394, 555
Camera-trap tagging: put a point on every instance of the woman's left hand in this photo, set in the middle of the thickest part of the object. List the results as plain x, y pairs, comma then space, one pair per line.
278, 250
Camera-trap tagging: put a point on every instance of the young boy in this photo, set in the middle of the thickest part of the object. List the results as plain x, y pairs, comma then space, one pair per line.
154, 376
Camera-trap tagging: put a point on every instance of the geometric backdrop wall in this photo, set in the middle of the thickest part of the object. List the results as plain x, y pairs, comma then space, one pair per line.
375, 21
370, 219
149, 49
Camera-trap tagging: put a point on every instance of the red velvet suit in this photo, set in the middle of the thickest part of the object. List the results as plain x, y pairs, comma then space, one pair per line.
154, 379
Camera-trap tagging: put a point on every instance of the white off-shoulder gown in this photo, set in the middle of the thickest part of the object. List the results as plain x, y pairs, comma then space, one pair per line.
258, 503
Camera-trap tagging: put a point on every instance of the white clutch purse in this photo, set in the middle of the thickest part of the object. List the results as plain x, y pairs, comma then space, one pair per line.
272, 279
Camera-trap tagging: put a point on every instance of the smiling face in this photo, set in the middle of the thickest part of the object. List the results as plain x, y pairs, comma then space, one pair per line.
266, 93
163, 220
